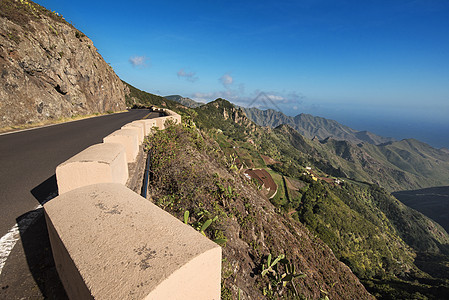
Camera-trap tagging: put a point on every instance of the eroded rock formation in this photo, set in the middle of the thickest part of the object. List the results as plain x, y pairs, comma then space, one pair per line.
49, 69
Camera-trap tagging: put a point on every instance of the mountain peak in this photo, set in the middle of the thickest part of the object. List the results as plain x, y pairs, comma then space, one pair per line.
311, 126
184, 101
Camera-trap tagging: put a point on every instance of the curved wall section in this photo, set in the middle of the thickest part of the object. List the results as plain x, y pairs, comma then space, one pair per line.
110, 243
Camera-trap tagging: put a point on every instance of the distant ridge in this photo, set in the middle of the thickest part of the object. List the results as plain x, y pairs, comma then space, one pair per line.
314, 127
184, 101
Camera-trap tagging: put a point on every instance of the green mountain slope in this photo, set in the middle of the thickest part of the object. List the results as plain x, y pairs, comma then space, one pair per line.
136, 97
393, 249
195, 181
387, 244
312, 126
184, 101
406, 164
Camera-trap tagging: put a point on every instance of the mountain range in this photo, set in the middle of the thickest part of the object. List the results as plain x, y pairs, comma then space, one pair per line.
383, 241
360, 155
337, 227
312, 126
184, 101
307, 125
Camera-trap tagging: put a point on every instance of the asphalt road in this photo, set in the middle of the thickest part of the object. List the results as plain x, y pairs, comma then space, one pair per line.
29, 158
28, 161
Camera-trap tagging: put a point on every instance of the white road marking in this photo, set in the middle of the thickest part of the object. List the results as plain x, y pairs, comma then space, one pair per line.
9, 240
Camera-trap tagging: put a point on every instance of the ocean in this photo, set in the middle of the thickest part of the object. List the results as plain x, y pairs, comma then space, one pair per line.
425, 126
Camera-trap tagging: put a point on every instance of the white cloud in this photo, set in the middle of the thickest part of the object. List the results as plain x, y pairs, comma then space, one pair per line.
138, 61
275, 97
207, 97
226, 80
189, 76
236, 93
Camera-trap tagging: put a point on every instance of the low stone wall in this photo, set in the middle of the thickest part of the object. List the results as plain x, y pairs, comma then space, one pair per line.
173, 116
99, 163
110, 243
129, 138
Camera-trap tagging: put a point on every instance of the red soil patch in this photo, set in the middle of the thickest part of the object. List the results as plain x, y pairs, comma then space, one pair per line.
263, 177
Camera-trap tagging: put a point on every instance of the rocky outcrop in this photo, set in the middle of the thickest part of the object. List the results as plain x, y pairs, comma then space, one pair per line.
49, 69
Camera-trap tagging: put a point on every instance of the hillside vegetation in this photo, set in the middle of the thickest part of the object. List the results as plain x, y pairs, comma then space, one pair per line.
394, 165
395, 251
196, 182
406, 164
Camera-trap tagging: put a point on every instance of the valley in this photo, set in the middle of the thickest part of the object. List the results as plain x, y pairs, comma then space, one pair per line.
367, 228
432, 202
302, 207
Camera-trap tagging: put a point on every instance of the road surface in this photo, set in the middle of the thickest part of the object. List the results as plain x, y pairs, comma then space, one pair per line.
28, 161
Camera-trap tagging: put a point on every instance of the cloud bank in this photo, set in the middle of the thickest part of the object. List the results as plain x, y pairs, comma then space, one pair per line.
189, 76
138, 61
226, 80
235, 93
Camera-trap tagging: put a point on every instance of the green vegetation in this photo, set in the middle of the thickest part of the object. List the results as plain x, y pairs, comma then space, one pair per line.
366, 228
359, 234
193, 180
201, 226
280, 273
79, 34
137, 98
407, 164
22, 11
392, 249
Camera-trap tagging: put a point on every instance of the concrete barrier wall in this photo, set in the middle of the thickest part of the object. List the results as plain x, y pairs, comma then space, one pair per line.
129, 138
149, 124
139, 127
125, 247
96, 164
110, 243
173, 116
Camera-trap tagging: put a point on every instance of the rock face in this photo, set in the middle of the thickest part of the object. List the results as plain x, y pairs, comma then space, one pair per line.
49, 69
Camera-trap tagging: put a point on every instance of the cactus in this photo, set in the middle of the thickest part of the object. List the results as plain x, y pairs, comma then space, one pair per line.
270, 265
290, 274
278, 278
186, 217
202, 227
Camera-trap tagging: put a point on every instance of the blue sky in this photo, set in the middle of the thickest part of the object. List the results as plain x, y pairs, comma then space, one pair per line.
345, 60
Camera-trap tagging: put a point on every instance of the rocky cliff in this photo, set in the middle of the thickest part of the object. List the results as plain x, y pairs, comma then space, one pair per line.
49, 69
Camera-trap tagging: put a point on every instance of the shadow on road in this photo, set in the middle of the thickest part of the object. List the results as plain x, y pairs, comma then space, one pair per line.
36, 243
46, 190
